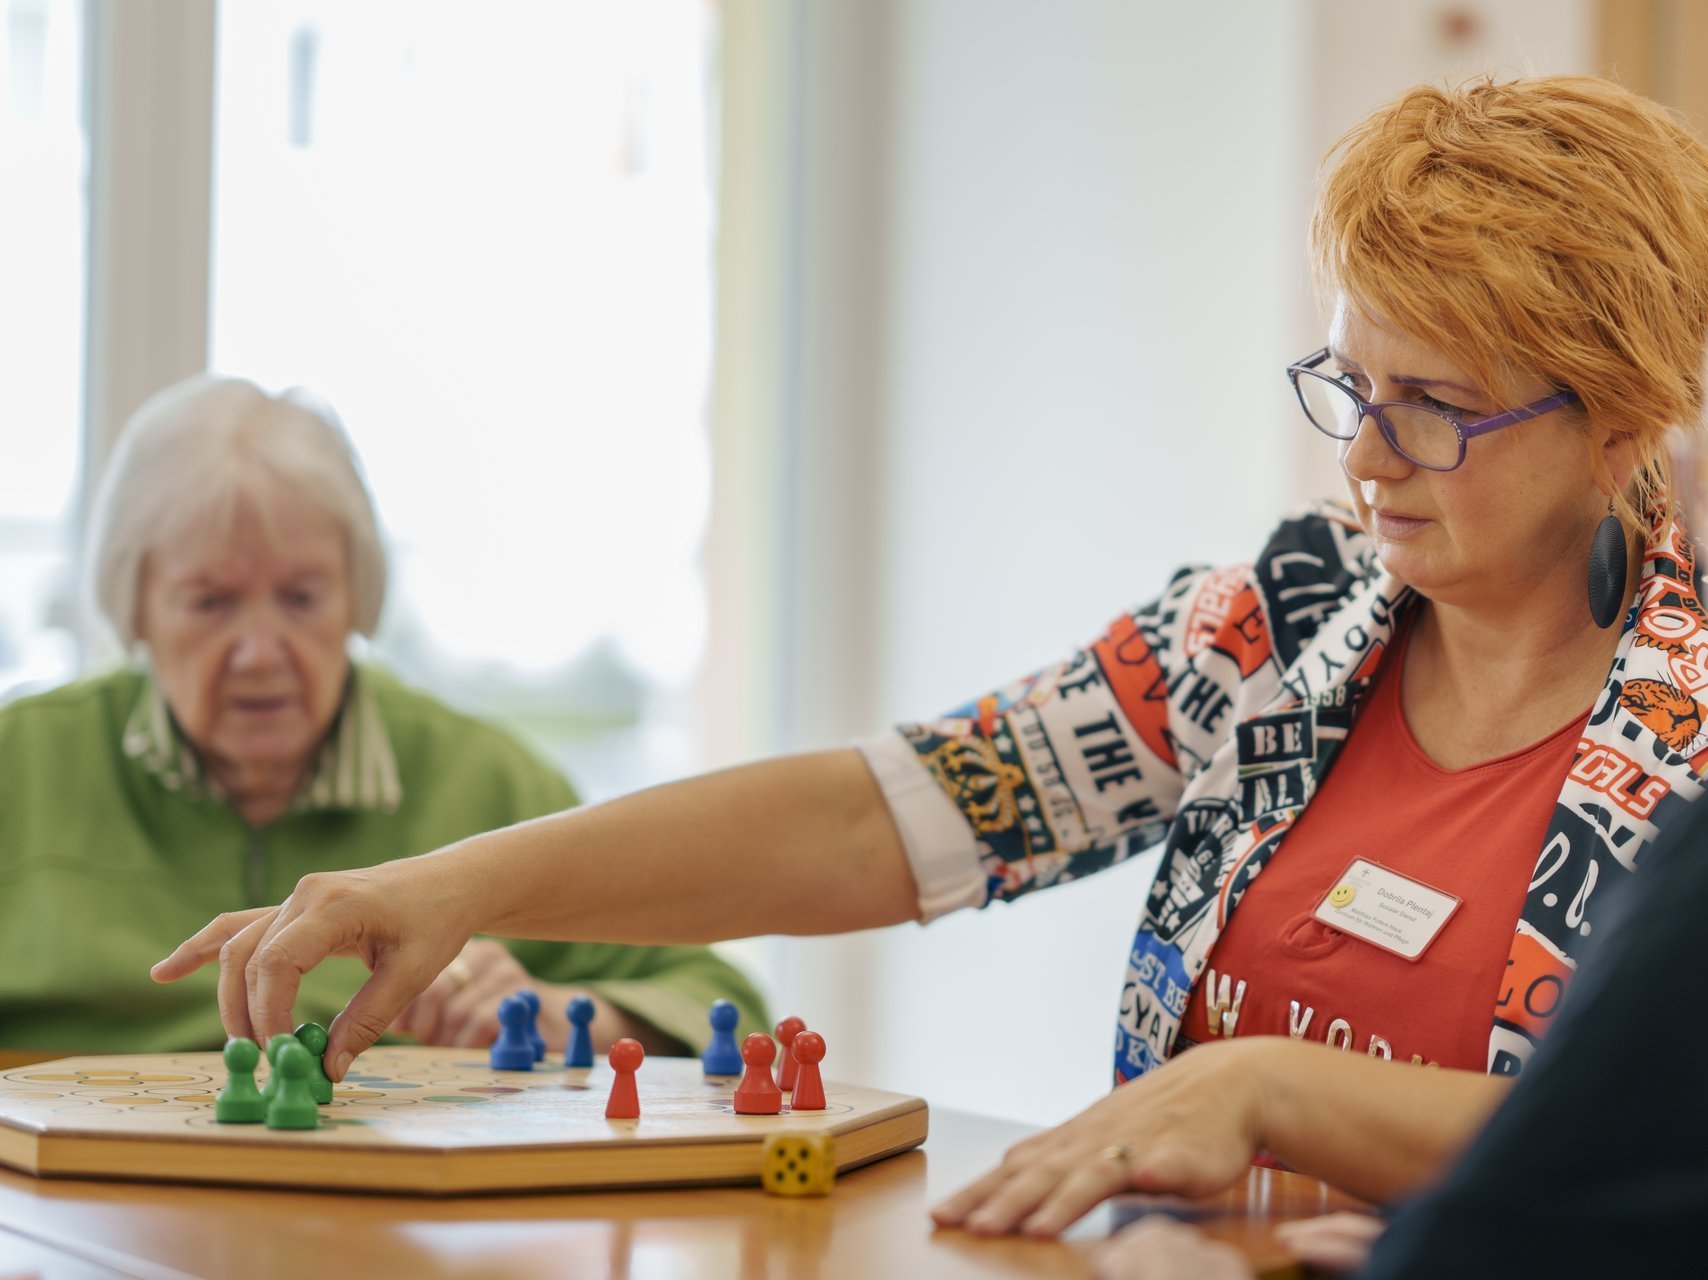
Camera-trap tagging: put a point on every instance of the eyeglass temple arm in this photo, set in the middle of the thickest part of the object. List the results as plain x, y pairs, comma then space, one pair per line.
1469, 430
1310, 362
1560, 401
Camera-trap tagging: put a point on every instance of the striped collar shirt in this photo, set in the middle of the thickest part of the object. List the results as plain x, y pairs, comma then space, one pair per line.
354, 769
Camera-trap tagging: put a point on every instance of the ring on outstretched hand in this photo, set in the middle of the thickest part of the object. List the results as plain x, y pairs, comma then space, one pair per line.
1121, 1153
459, 972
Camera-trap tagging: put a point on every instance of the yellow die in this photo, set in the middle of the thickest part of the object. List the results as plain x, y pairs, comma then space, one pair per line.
799, 1164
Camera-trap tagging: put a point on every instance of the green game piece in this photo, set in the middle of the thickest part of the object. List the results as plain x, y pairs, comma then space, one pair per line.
240, 1102
312, 1036
273, 1046
292, 1106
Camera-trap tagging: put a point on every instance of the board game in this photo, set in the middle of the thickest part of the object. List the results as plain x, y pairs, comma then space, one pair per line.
424, 1121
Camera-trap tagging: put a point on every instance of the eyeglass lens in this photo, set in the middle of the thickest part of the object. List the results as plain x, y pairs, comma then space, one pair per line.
1421, 434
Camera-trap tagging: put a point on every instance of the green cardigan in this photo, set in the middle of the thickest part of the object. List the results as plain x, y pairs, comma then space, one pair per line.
107, 862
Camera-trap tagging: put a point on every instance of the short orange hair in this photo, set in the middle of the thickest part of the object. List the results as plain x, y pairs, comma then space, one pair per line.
1555, 226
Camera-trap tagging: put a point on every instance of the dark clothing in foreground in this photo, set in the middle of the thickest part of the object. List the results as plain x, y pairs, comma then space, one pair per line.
1597, 1165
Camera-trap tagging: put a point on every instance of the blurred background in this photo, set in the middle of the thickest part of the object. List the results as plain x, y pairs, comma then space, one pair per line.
732, 378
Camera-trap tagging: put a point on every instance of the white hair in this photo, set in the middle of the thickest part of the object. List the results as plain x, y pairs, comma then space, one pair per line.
200, 454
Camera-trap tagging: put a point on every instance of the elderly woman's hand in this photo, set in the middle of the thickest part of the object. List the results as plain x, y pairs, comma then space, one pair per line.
460, 1006
405, 920
1191, 1127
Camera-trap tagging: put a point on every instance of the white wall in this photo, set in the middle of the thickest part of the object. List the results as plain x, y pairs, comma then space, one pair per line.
1086, 391
1042, 332
1079, 250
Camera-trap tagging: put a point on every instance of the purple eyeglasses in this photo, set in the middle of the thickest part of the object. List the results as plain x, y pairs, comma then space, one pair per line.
1431, 438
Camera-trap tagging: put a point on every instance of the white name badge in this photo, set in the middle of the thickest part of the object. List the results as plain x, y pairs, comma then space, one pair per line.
1383, 907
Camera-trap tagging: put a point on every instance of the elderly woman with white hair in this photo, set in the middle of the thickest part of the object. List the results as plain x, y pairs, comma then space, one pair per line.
235, 551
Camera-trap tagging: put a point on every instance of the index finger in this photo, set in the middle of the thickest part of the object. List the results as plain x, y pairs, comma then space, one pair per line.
203, 947
953, 1211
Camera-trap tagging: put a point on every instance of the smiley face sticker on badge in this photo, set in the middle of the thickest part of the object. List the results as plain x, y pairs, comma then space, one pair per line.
1341, 895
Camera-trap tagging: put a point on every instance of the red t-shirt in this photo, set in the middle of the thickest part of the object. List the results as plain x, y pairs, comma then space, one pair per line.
1474, 833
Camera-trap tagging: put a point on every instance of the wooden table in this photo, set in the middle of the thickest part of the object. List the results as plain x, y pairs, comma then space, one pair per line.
874, 1225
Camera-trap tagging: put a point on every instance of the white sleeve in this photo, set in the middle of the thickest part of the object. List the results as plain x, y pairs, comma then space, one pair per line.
941, 846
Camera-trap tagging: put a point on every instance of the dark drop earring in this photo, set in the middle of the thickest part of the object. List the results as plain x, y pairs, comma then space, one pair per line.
1607, 570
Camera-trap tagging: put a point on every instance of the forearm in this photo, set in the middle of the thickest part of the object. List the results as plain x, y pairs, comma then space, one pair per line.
1378, 1129
800, 845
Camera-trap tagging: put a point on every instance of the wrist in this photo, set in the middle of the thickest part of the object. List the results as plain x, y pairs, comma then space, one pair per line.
489, 879
465, 891
1265, 1067
1283, 1091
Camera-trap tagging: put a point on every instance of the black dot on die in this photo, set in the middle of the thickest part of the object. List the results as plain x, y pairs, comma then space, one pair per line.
802, 1177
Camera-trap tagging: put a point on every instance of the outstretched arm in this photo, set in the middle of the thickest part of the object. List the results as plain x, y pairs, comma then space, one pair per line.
799, 845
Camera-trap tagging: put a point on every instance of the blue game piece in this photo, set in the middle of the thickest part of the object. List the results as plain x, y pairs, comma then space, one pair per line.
539, 1042
722, 1057
580, 1050
512, 1051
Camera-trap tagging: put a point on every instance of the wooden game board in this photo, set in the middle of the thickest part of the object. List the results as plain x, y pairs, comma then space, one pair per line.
422, 1121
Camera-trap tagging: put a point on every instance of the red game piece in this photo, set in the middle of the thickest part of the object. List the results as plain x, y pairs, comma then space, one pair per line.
787, 1030
758, 1094
808, 1052
625, 1059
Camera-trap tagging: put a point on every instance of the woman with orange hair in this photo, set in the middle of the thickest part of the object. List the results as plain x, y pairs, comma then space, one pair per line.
1442, 720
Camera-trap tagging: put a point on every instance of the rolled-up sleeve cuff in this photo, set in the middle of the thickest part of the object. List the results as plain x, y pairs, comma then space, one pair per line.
941, 847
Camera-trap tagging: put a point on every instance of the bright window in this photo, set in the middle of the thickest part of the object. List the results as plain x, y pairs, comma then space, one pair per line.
43, 226
483, 233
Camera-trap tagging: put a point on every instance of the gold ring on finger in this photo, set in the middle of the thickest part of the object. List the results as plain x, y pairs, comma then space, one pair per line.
1121, 1153
459, 972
